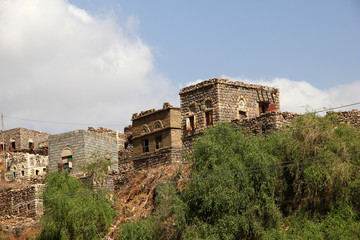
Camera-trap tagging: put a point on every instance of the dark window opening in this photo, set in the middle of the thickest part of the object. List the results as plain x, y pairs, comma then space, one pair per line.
13, 146
28, 207
37, 172
3, 146
158, 142
209, 118
31, 145
44, 169
145, 145
242, 114
22, 173
190, 123
14, 174
263, 107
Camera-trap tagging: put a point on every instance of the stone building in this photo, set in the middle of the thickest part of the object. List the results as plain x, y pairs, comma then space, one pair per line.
21, 202
216, 100
25, 153
72, 150
22, 139
156, 137
25, 166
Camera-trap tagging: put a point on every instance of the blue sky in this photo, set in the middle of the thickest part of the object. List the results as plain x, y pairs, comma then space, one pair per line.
95, 62
314, 41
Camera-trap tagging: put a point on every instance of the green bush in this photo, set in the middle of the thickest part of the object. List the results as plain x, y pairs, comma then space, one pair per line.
72, 211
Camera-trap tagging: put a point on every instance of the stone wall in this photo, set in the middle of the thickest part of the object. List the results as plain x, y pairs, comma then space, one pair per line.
265, 123
82, 143
349, 117
25, 166
216, 100
120, 136
162, 157
22, 202
21, 137
153, 124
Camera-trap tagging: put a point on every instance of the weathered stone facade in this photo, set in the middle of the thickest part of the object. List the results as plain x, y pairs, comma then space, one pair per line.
156, 137
349, 117
22, 202
265, 123
78, 146
22, 139
216, 100
25, 166
120, 137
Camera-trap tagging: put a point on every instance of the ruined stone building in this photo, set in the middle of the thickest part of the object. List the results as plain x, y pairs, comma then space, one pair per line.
156, 137
216, 100
72, 150
22, 139
25, 154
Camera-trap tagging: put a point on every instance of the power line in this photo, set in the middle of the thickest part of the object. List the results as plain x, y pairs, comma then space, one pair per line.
66, 123
103, 124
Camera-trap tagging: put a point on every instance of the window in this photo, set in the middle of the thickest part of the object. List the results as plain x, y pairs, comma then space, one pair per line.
145, 128
66, 158
208, 104
2, 146
31, 145
158, 142
37, 172
242, 114
263, 107
190, 123
209, 118
44, 169
158, 124
13, 146
22, 173
145, 145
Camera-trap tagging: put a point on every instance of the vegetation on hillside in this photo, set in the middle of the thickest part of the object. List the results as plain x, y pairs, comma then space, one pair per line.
298, 184
74, 210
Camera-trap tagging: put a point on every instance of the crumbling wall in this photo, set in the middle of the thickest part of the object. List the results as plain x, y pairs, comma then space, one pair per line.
349, 117
265, 123
25, 166
22, 202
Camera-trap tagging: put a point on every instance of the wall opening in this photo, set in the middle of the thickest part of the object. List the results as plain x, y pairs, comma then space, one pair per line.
31, 145
13, 145
190, 123
22, 173
209, 118
242, 114
263, 107
158, 142
37, 172
67, 158
145, 145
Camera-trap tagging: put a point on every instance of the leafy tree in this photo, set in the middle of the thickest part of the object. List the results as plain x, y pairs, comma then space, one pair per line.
72, 211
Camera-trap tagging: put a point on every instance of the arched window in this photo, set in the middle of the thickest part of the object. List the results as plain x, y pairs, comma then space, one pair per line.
158, 124
145, 129
67, 158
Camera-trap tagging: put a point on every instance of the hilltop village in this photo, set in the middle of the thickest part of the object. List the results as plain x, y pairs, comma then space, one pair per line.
156, 137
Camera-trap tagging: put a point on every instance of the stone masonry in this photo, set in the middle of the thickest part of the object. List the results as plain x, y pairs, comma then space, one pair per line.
80, 144
156, 138
22, 139
215, 100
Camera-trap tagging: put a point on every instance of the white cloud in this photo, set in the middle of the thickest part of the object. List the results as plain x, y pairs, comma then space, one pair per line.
302, 96
59, 63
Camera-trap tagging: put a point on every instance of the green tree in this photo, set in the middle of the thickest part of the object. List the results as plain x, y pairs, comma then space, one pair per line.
72, 211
